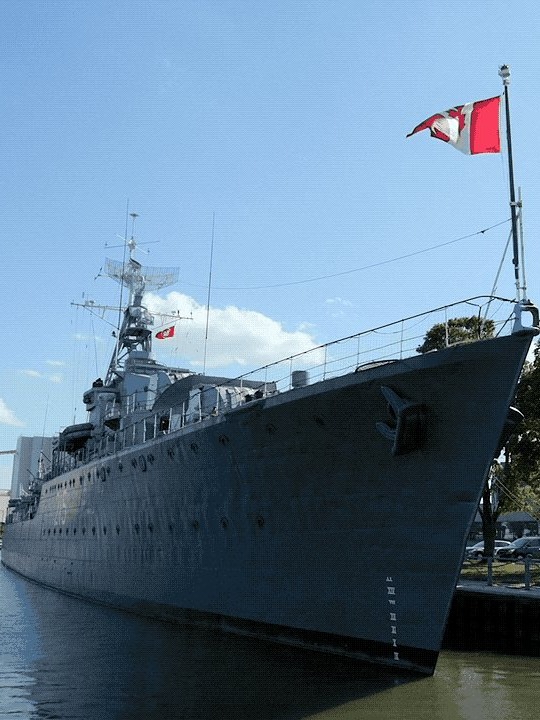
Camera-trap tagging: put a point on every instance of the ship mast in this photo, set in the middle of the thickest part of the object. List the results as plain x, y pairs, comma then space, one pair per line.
135, 333
519, 274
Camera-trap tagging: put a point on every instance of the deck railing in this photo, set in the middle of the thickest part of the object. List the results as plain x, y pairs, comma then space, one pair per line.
392, 341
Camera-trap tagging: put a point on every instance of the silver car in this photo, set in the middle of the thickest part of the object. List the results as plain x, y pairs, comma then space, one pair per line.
476, 552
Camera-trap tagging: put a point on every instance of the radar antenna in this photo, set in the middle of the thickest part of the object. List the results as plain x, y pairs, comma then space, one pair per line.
134, 331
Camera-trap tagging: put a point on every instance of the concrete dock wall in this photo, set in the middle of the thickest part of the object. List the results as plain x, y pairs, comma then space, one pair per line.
494, 619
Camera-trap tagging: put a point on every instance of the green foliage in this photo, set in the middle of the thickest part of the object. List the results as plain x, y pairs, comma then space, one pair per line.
523, 448
463, 329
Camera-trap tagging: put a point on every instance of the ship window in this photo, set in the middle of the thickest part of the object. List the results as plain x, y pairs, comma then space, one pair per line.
93, 531
89, 477
104, 530
54, 531
67, 531
120, 466
49, 531
81, 480
65, 484
118, 529
150, 527
74, 531
83, 531
137, 528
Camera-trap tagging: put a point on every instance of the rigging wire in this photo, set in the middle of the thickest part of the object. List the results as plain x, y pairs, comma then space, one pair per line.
535, 507
364, 267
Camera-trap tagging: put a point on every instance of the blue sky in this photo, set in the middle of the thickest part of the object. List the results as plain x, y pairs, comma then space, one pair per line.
285, 120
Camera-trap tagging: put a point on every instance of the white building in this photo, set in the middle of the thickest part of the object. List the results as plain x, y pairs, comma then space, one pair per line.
26, 462
4, 499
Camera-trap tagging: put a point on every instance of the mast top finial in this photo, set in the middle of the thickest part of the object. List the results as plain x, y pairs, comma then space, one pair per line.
504, 72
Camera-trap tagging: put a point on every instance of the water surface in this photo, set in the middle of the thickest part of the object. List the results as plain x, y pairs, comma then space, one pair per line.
67, 659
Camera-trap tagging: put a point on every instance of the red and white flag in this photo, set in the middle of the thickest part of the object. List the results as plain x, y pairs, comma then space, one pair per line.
164, 334
472, 128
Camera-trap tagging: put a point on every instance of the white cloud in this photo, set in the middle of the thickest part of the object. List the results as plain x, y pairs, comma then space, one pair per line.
236, 336
55, 363
55, 378
88, 338
7, 416
339, 301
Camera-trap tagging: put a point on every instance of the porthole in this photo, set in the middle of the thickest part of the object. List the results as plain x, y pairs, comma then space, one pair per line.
142, 463
137, 528
104, 530
224, 523
260, 521
170, 452
194, 447
150, 527
93, 531
84, 531
118, 529
271, 429
223, 439
320, 422
150, 458
120, 466
195, 524
74, 531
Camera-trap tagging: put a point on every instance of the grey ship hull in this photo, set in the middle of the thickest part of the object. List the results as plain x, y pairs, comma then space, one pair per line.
290, 517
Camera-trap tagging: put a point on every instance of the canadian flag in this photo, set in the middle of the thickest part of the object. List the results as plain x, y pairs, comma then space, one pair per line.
472, 128
164, 334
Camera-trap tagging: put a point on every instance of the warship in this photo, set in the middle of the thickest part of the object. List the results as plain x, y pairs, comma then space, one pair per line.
323, 501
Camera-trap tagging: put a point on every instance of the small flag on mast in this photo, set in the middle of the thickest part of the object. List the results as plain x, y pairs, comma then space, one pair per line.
166, 333
472, 128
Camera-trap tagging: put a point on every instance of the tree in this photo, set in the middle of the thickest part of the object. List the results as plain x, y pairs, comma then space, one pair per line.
524, 447
514, 484
463, 329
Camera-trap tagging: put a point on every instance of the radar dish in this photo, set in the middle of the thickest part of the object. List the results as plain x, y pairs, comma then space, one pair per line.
133, 275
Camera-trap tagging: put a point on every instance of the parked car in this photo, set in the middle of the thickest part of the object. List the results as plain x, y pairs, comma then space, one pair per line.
476, 552
528, 546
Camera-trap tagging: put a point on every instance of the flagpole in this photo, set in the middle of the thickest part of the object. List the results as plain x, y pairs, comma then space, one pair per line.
504, 72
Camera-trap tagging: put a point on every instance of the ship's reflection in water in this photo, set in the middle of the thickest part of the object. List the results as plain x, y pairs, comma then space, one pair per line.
63, 658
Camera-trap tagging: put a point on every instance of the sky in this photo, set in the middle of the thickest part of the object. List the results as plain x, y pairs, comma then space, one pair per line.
263, 147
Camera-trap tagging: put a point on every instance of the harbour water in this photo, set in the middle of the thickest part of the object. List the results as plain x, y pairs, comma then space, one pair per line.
67, 659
